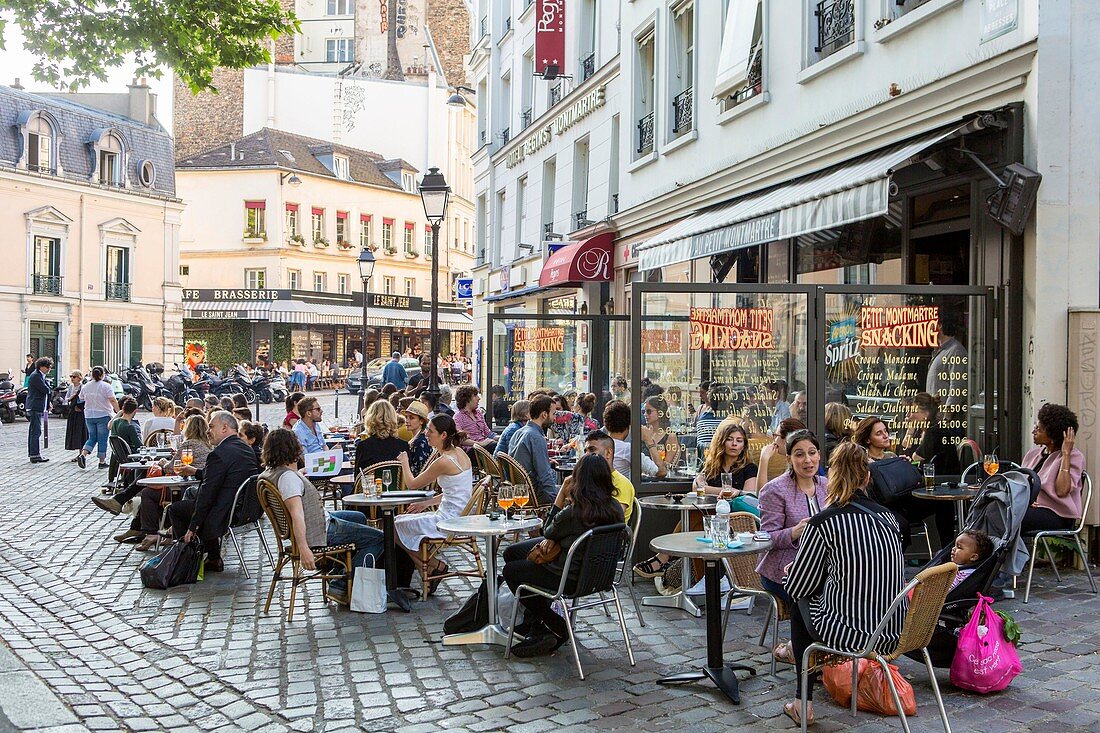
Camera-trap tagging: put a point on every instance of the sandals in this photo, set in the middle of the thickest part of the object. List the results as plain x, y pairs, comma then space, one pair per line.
650, 568
784, 653
441, 569
793, 711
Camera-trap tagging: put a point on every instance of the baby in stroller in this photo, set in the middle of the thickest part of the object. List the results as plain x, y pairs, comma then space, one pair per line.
971, 547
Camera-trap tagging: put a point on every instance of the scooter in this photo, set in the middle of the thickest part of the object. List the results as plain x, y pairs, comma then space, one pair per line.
7, 398
277, 385
139, 379
209, 384
178, 388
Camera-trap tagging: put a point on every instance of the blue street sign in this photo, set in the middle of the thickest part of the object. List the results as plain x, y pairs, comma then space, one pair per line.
465, 288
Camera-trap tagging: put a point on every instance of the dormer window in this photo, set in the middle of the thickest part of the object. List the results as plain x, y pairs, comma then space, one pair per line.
408, 181
110, 158
40, 146
340, 167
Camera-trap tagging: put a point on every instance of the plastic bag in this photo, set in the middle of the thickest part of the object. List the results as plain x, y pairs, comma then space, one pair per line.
985, 661
368, 589
176, 565
873, 694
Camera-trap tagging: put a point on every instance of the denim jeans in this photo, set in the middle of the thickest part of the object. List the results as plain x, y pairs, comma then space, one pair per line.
350, 527
33, 449
97, 435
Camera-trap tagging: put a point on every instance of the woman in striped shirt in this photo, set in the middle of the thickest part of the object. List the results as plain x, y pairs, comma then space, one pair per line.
848, 569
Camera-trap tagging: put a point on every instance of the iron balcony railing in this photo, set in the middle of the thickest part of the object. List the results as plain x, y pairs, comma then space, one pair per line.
682, 111
548, 229
484, 137
526, 116
614, 203
580, 219
754, 84
836, 24
588, 66
484, 27
47, 284
505, 135
555, 94
904, 6
645, 134
508, 24
116, 291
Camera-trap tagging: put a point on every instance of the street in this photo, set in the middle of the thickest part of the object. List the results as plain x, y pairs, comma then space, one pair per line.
85, 647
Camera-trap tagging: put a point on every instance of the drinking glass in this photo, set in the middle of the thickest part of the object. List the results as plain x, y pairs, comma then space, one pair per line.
721, 528
505, 497
187, 457
387, 479
377, 483
929, 472
520, 497
160, 440
991, 464
727, 485
176, 466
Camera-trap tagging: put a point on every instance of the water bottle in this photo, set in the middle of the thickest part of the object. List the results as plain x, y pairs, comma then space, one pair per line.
722, 521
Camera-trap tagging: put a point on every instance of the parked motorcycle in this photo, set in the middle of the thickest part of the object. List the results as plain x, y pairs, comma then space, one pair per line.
208, 384
277, 385
144, 387
7, 398
179, 389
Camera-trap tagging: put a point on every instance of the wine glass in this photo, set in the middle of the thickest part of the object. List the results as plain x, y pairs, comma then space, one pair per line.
176, 466
520, 496
505, 497
387, 480
991, 464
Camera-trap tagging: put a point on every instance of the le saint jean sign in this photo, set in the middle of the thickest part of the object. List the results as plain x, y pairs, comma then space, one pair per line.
572, 114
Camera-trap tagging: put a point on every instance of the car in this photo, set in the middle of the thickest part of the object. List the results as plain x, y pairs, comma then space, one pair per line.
374, 373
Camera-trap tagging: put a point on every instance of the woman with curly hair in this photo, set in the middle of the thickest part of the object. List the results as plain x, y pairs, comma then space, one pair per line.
1059, 465
379, 441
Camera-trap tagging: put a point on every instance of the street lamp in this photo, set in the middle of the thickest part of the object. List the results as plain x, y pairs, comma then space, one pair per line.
435, 193
366, 269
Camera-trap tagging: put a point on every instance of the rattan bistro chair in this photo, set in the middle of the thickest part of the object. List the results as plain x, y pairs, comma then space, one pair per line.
484, 463
513, 472
151, 438
929, 589
245, 515
597, 551
1070, 535
431, 549
340, 555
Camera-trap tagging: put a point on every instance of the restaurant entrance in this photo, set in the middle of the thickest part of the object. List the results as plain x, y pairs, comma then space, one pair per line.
762, 353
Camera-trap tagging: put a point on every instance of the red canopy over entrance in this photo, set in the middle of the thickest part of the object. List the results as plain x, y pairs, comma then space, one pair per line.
590, 260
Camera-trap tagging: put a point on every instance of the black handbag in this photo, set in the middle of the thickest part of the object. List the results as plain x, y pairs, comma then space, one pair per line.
178, 564
473, 615
893, 479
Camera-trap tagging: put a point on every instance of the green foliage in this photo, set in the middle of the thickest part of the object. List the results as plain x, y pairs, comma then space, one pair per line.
227, 343
280, 343
1011, 628
78, 42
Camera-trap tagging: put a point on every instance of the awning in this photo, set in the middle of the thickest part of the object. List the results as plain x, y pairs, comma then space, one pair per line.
291, 311
850, 192
254, 310
586, 261
737, 47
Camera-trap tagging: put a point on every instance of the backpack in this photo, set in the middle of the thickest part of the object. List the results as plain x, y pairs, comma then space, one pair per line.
473, 615
893, 479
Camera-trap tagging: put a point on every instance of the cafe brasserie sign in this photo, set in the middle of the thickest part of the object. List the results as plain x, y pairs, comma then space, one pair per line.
573, 114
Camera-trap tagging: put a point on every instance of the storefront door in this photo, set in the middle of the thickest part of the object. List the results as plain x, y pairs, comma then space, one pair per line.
43, 342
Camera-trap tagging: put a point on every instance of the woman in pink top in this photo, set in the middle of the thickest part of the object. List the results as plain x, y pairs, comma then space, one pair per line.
1059, 465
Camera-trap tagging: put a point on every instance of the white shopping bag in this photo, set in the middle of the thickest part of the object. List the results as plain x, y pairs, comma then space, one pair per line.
505, 603
368, 589
323, 464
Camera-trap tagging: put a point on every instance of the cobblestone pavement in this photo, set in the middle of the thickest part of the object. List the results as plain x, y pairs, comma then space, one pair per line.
204, 657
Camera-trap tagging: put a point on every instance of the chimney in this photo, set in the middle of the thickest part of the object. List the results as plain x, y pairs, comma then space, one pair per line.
17, 85
142, 102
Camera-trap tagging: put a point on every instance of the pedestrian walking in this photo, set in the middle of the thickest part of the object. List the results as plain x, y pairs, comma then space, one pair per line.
99, 405
38, 395
76, 431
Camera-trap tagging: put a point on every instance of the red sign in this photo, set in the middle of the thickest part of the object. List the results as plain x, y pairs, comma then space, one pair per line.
586, 261
550, 36
900, 327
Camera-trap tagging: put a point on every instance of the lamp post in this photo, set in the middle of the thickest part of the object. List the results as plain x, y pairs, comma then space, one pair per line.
366, 269
434, 193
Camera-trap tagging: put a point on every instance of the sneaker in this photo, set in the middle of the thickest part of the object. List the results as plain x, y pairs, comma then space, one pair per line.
102, 465
108, 504
82, 461
700, 588
537, 645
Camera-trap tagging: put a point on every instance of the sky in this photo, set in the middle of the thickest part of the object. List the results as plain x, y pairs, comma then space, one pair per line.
15, 63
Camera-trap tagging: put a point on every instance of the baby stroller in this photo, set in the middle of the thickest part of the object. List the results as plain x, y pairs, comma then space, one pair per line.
998, 510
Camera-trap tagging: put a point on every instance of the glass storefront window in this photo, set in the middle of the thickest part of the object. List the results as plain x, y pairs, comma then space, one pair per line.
534, 354
865, 252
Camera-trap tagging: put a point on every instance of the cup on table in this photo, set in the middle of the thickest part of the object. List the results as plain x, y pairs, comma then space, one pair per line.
176, 466
745, 536
929, 472
727, 485
720, 526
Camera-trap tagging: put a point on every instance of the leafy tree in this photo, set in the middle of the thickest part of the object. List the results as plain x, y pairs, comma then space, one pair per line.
78, 41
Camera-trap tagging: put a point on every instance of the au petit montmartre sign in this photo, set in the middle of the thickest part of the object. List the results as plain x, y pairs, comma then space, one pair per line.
573, 114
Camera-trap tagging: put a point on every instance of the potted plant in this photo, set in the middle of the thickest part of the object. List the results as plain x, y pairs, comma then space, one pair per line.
297, 239
320, 242
343, 244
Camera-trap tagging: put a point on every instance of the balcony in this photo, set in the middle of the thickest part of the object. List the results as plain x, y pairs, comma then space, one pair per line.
555, 94
548, 229
508, 24
836, 24
116, 291
505, 135
682, 112
484, 137
588, 66
526, 116
484, 27
755, 82
580, 219
614, 203
47, 284
645, 135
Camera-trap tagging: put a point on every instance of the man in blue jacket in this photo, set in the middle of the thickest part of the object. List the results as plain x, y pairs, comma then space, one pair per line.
394, 373
38, 396
528, 447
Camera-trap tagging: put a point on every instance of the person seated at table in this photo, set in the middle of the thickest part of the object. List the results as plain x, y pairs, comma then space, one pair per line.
528, 446
253, 433
1059, 464
872, 434
164, 416
378, 441
521, 413
848, 569
786, 505
416, 418
616, 422
659, 426
837, 427
311, 524
925, 438
227, 466
591, 503
470, 418
775, 399
241, 408
309, 430
773, 458
454, 475
123, 425
292, 413
585, 405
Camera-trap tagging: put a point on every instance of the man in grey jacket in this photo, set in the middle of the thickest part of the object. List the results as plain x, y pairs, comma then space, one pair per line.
528, 446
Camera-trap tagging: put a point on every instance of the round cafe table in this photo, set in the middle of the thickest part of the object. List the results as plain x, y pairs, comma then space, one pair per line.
689, 503
387, 504
479, 525
136, 465
688, 545
944, 492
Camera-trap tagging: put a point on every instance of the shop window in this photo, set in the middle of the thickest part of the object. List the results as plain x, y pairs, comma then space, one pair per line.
939, 237
255, 279
777, 261
865, 252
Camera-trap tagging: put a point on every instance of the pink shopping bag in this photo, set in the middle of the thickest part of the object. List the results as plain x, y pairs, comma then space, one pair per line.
985, 661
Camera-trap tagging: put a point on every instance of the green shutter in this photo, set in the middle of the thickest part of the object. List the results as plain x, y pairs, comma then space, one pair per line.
98, 356
135, 345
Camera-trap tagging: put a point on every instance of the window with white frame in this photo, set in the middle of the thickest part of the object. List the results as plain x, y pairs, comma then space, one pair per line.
320, 282
587, 40
498, 217
342, 227
339, 50
581, 157
408, 181
387, 236
110, 154
681, 68
364, 231
340, 7
549, 187
527, 89
317, 224
255, 279
40, 145
645, 93
521, 211
832, 27
255, 223
294, 279
342, 279
740, 74
292, 221
410, 287
387, 285
341, 167
410, 238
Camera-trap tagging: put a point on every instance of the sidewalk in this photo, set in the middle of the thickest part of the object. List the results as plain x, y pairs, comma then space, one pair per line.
26, 703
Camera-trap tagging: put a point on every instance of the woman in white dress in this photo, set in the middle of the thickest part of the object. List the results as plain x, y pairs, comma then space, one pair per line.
454, 475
